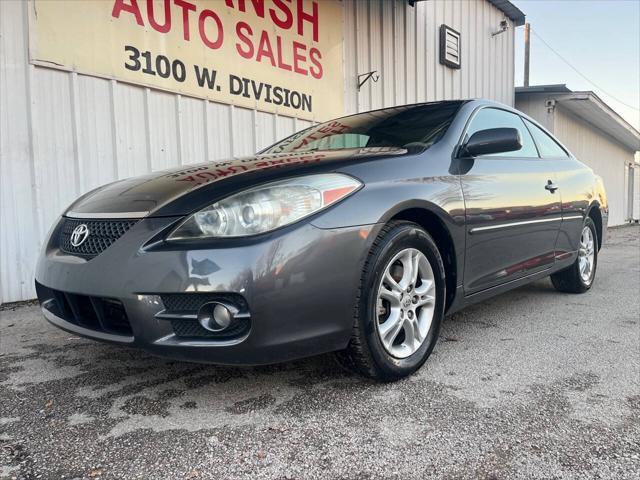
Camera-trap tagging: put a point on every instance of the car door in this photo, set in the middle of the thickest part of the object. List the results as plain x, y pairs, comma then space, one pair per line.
572, 177
512, 209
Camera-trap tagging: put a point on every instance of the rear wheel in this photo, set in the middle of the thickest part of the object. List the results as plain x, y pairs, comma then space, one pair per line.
579, 277
401, 304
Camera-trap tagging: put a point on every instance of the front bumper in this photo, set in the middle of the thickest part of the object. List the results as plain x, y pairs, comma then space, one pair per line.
299, 286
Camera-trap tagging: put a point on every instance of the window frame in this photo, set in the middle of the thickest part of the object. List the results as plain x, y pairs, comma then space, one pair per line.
472, 117
567, 154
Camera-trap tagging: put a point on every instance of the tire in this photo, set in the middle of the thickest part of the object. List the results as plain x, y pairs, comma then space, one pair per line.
396, 358
571, 279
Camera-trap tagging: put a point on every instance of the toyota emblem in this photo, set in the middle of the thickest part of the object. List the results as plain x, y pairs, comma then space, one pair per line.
79, 235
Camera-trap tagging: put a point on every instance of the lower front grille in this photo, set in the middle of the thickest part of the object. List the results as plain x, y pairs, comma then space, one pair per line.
181, 309
101, 235
94, 313
193, 329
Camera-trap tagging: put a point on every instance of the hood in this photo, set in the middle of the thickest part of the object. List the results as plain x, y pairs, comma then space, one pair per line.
181, 190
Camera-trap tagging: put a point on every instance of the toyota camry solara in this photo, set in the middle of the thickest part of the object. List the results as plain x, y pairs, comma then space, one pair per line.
355, 236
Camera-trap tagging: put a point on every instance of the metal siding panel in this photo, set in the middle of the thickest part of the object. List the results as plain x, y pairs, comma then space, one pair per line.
432, 50
265, 130
130, 130
302, 124
96, 156
193, 142
388, 56
163, 126
441, 70
447, 79
243, 130
375, 53
350, 57
456, 22
534, 106
512, 65
421, 52
467, 61
600, 152
410, 53
494, 44
285, 127
362, 53
477, 49
18, 208
399, 67
56, 178
219, 131
485, 90
636, 192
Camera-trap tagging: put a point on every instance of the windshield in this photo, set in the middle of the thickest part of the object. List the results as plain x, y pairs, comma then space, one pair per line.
417, 126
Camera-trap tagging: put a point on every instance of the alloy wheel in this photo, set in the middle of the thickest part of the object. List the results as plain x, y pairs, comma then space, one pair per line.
586, 255
405, 303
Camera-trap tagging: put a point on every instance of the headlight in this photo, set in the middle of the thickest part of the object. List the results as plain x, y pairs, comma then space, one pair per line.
266, 207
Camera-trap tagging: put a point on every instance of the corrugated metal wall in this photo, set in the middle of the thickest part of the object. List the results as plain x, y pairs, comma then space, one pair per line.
604, 155
62, 134
401, 43
636, 194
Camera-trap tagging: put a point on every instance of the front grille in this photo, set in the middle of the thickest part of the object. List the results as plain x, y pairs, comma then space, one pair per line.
192, 329
102, 234
181, 304
94, 313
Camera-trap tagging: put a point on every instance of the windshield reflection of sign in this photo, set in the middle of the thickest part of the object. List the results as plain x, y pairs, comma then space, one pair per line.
322, 131
209, 173
358, 126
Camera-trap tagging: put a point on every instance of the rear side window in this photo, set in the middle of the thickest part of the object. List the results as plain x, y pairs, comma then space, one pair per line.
548, 146
495, 118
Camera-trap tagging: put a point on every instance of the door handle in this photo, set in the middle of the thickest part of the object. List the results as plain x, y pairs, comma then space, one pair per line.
552, 187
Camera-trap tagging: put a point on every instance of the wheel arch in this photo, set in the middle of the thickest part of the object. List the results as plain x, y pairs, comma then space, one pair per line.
437, 228
596, 216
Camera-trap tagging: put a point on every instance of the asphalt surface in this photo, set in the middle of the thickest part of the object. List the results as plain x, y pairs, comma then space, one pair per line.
531, 384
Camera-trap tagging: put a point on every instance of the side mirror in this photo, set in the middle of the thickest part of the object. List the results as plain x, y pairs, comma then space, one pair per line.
493, 140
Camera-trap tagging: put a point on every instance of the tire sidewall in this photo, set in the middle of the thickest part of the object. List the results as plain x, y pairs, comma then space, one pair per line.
403, 236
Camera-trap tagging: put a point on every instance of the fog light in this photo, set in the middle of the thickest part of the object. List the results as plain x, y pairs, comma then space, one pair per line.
216, 317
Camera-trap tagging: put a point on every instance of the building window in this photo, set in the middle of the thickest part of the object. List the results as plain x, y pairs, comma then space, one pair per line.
449, 47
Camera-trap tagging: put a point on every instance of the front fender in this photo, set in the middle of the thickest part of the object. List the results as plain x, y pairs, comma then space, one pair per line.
379, 202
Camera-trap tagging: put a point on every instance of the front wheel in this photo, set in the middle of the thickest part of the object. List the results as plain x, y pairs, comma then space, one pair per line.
579, 277
401, 304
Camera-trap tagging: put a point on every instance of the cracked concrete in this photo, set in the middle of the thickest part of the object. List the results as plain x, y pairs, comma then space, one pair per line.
531, 384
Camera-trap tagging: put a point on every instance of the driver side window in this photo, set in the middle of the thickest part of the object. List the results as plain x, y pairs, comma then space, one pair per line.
495, 118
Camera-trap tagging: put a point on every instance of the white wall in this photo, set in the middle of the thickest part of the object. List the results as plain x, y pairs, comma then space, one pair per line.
636, 193
62, 134
607, 157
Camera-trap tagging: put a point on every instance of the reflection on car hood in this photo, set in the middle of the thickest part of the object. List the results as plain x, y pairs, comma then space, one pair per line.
140, 196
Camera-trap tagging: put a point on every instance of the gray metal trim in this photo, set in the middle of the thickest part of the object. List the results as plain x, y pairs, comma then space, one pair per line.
106, 215
164, 315
514, 224
173, 341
